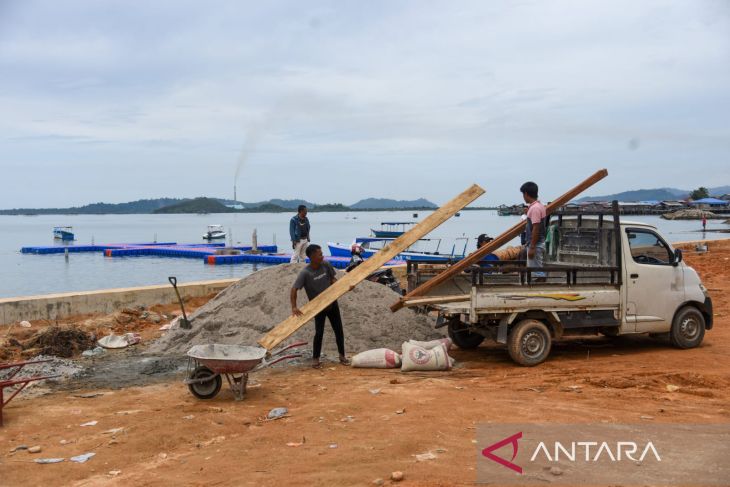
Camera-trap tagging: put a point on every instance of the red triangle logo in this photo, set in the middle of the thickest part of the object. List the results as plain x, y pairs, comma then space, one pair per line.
487, 452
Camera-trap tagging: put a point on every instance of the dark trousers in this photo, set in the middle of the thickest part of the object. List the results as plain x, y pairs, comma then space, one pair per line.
333, 313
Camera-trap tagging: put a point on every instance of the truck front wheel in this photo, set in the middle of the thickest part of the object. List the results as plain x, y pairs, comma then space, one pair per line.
688, 328
462, 337
529, 342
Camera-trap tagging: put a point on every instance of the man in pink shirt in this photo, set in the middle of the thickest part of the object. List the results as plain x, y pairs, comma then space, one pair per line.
536, 228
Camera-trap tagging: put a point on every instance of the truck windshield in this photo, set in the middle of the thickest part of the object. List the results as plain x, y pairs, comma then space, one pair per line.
648, 248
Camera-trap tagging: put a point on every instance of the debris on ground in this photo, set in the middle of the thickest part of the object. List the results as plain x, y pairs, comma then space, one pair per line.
89, 395
89, 423
82, 458
245, 311
48, 460
64, 368
277, 413
422, 457
34, 449
119, 341
58, 340
396, 476
94, 352
25, 324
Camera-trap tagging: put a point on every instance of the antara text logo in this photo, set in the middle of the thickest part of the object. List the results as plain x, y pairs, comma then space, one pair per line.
575, 451
587, 454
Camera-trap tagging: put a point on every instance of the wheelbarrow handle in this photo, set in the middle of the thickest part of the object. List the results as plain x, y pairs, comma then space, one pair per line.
293, 345
285, 357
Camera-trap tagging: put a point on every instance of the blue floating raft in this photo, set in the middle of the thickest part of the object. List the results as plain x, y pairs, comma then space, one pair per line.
268, 254
60, 249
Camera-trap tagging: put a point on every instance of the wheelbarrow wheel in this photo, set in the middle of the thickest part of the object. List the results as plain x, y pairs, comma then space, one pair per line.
205, 389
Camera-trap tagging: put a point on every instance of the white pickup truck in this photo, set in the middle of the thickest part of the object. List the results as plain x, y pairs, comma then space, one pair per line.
592, 286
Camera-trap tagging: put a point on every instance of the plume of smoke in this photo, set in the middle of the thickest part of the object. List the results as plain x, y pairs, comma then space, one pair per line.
253, 135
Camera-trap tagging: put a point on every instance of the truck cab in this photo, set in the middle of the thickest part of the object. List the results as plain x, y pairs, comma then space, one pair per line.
604, 276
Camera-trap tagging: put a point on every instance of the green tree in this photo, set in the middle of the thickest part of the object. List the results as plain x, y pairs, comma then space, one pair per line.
699, 193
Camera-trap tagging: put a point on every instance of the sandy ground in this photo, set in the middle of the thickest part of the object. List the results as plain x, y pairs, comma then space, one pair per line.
345, 434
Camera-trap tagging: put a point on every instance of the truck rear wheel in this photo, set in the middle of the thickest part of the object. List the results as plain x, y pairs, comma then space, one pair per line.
462, 337
688, 328
529, 342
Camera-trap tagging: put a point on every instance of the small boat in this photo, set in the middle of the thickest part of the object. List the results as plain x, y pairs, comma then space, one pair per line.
63, 233
391, 229
416, 251
215, 232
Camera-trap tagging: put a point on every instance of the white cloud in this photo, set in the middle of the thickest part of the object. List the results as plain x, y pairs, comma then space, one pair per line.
421, 98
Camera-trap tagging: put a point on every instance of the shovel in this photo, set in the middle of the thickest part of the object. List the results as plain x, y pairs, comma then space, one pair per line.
184, 322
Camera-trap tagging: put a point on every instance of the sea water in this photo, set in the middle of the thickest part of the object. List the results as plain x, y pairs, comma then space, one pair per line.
29, 274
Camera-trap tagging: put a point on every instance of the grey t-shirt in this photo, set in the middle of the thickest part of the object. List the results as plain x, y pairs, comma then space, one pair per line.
315, 281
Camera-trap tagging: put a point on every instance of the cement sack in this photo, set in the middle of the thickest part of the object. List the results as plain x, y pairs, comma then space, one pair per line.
433, 343
378, 358
419, 358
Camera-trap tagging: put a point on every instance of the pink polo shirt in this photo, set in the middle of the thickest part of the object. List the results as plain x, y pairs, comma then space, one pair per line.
536, 212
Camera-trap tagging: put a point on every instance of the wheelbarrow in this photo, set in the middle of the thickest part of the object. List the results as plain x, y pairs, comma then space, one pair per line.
17, 385
207, 363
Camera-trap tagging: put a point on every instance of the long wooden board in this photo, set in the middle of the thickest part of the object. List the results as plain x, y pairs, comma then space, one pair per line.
452, 298
345, 284
507, 236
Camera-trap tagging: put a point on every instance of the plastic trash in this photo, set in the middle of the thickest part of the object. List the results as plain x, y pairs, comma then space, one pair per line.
48, 460
422, 457
119, 341
93, 352
25, 324
82, 458
89, 423
277, 413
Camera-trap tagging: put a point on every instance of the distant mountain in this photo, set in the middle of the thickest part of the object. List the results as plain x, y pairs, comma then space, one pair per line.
658, 194
133, 207
219, 205
639, 195
388, 204
197, 205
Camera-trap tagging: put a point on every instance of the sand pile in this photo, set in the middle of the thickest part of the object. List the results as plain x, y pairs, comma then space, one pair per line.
245, 311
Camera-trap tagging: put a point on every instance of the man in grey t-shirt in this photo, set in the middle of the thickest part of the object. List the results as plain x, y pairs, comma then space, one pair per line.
315, 278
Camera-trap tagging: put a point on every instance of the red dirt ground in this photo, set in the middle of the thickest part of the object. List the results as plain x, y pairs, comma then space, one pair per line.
171, 438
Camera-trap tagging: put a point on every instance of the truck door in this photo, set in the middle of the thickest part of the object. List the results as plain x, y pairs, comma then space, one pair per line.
654, 286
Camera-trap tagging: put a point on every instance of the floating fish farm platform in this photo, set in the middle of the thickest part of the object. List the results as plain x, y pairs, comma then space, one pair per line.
267, 254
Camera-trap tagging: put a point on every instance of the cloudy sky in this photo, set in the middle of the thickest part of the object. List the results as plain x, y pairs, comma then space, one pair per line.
334, 101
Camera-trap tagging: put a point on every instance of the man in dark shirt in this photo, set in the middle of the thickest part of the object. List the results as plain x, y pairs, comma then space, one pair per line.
299, 234
317, 276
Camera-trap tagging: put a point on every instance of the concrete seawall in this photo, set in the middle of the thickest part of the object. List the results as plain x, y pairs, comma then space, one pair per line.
59, 306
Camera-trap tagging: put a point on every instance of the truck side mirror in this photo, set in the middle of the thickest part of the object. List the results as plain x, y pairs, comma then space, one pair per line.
677, 257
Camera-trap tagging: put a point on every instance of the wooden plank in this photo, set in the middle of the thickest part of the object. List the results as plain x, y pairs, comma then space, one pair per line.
507, 236
436, 300
345, 284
